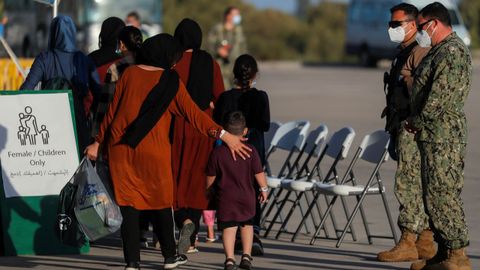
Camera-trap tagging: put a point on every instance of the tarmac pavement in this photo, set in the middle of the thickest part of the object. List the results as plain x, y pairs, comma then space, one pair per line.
336, 96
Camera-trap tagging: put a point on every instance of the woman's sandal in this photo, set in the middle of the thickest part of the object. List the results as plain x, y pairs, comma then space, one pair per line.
246, 262
210, 240
230, 264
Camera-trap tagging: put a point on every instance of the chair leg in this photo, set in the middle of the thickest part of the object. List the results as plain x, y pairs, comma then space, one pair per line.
365, 223
305, 216
322, 222
389, 215
274, 202
354, 213
279, 210
347, 213
320, 215
289, 214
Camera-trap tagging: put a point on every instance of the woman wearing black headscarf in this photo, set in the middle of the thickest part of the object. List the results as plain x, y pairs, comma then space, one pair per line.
136, 131
107, 54
190, 149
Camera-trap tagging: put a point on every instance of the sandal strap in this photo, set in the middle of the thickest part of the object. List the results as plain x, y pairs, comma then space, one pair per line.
230, 260
247, 257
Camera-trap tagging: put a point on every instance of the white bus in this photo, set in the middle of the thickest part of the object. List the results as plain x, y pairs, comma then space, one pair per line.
28, 26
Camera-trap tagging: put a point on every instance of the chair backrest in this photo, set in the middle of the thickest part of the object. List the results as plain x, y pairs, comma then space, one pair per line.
268, 136
374, 146
290, 135
316, 139
340, 142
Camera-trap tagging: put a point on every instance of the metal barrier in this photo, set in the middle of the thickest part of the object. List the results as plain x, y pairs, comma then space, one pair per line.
10, 78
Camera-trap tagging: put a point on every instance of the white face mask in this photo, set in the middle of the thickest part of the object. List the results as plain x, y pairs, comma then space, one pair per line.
237, 19
396, 34
423, 39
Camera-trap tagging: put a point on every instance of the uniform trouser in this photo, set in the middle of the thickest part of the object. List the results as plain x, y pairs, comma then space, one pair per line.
162, 221
443, 180
408, 185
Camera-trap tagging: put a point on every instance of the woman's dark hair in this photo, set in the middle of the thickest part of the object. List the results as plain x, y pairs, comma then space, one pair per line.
244, 70
131, 37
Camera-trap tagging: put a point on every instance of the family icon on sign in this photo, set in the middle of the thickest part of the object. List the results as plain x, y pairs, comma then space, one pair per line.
28, 129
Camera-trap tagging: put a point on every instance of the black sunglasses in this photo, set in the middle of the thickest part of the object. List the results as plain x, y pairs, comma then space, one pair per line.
420, 26
395, 24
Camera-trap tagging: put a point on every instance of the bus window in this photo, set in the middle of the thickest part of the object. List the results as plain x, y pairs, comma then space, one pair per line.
454, 17
98, 10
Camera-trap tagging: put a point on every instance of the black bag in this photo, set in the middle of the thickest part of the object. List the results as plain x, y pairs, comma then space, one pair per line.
67, 227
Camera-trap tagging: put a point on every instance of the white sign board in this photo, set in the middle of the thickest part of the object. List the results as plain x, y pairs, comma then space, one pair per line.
38, 149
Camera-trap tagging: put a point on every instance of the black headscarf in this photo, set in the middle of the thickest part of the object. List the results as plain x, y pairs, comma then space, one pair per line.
108, 40
200, 79
159, 51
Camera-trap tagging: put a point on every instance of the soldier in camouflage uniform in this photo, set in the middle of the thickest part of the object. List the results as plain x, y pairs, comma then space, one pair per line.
227, 42
412, 219
441, 86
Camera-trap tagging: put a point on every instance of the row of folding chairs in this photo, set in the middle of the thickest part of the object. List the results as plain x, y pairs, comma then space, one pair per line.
300, 187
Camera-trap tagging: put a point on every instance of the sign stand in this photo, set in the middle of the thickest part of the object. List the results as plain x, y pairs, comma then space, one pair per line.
38, 155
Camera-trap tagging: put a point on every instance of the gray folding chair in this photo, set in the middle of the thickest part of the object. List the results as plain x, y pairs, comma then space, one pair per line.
337, 149
373, 150
312, 147
289, 137
268, 137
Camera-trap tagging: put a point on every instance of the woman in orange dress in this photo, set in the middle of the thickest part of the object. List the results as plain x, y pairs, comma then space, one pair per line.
135, 132
191, 149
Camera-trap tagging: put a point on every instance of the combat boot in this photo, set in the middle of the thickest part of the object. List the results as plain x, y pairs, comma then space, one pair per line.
456, 260
438, 258
404, 251
425, 246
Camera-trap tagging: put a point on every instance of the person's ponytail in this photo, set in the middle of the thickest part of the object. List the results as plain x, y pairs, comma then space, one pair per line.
245, 70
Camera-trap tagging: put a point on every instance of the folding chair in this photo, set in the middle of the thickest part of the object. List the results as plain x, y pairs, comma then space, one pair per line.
312, 146
268, 137
374, 150
291, 137
288, 137
337, 148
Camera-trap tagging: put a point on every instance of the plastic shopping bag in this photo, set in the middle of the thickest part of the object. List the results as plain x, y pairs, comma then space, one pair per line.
97, 213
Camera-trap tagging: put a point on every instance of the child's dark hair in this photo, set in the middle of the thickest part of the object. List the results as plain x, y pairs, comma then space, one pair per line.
244, 70
131, 37
235, 123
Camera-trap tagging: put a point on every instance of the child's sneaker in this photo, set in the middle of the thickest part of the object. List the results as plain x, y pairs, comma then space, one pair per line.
230, 264
211, 240
246, 262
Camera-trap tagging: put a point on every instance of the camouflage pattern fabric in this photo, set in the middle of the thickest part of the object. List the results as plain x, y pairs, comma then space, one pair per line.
235, 39
443, 179
441, 86
440, 89
408, 185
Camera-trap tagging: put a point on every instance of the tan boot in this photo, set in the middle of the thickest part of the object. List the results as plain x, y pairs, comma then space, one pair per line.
425, 246
404, 251
456, 260
439, 257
